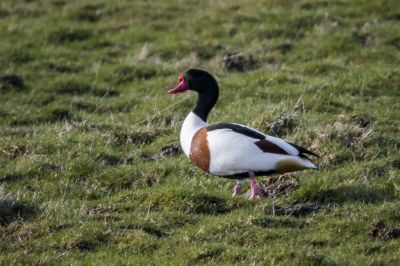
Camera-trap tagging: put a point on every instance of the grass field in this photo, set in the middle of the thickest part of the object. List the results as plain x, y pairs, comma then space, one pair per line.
82, 86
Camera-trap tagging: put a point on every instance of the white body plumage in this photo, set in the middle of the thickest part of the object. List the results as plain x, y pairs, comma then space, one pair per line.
235, 153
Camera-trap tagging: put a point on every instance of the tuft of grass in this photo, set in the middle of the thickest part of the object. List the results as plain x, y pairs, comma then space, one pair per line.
67, 35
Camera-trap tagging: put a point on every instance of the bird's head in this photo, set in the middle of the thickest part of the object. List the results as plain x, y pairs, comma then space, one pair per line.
197, 80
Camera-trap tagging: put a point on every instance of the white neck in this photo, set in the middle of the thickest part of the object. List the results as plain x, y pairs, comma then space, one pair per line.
190, 126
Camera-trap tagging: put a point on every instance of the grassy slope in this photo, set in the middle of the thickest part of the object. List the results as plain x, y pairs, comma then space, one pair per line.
73, 155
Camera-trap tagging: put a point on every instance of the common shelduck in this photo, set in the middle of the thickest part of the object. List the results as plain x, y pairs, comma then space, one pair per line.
232, 150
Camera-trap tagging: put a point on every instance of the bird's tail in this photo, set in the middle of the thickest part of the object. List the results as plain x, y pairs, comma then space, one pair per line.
294, 163
309, 165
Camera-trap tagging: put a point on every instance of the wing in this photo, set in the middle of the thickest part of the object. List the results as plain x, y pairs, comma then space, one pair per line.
264, 142
234, 149
303, 151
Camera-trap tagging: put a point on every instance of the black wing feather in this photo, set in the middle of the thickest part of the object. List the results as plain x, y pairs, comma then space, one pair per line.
303, 151
256, 135
236, 128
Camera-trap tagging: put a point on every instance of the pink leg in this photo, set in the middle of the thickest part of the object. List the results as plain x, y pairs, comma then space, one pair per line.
255, 191
238, 188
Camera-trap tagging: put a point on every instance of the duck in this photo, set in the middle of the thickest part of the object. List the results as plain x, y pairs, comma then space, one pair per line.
232, 150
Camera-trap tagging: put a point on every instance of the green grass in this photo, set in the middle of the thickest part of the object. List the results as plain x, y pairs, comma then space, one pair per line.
80, 120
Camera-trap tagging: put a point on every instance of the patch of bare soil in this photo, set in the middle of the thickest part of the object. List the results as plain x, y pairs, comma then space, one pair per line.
273, 187
276, 186
365, 39
381, 231
103, 209
166, 151
239, 62
11, 81
362, 120
82, 245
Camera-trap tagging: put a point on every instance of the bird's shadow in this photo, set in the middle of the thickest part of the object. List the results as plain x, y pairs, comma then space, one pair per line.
353, 193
